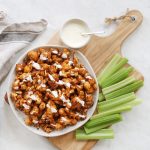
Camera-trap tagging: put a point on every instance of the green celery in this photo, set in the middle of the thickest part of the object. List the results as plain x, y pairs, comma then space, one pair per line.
127, 89
112, 111
104, 125
135, 102
116, 98
113, 103
118, 85
101, 97
102, 120
113, 69
101, 134
117, 77
113, 61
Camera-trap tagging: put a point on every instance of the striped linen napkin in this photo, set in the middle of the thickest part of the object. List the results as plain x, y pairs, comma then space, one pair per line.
15, 37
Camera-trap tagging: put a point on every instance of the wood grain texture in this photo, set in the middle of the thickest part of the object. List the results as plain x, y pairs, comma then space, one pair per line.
98, 51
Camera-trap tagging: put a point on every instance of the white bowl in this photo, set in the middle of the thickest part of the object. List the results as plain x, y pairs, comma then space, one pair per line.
73, 27
21, 116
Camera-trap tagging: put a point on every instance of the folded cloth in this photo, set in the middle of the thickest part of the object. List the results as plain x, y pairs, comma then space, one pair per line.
15, 37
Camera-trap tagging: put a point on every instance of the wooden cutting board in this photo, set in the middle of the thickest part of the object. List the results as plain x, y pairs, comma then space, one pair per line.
98, 51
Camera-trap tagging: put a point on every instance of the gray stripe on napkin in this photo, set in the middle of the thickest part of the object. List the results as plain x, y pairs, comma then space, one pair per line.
7, 37
22, 32
27, 26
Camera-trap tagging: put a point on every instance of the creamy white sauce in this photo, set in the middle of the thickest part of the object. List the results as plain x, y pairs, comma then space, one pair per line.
67, 84
63, 119
55, 52
30, 93
82, 81
16, 87
35, 121
81, 116
53, 110
34, 97
39, 81
55, 93
61, 73
36, 66
76, 68
54, 125
60, 82
51, 77
42, 57
26, 106
80, 101
43, 85
57, 66
69, 103
71, 33
70, 62
27, 78
65, 100
64, 56
29, 101
88, 77
48, 90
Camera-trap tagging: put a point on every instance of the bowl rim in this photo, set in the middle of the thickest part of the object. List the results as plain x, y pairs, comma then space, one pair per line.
32, 129
78, 20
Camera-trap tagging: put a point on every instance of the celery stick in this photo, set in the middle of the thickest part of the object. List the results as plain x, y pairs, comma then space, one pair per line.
132, 94
117, 77
118, 85
113, 69
100, 121
118, 109
135, 102
114, 103
113, 61
101, 97
129, 88
115, 110
101, 134
104, 125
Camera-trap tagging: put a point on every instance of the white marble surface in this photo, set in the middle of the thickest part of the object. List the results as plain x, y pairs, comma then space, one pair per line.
133, 132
